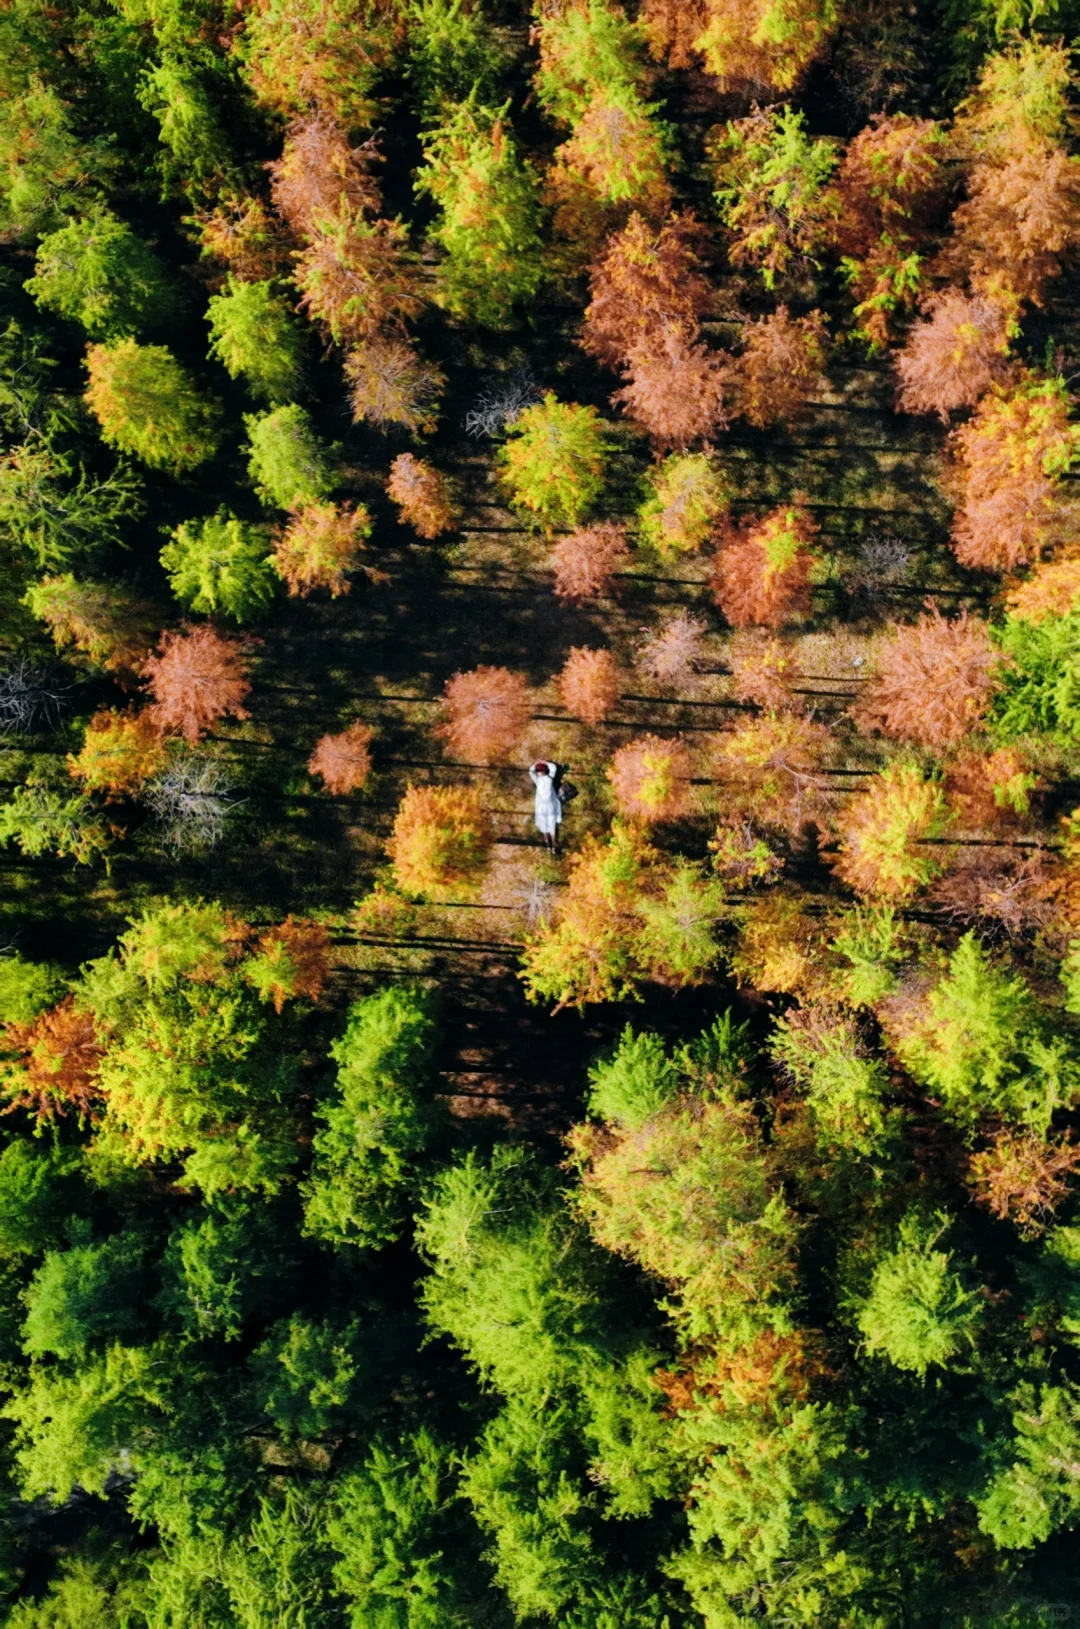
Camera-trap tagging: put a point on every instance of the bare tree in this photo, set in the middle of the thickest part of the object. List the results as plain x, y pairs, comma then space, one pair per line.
28, 699
193, 800
497, 409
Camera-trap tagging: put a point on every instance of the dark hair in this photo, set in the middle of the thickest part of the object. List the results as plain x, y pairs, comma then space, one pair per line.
540, 767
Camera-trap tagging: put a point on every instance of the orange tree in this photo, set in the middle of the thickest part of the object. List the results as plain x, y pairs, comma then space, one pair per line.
440, 839
119, 752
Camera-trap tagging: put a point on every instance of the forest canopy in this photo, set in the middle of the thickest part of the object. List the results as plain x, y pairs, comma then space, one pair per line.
418, 1212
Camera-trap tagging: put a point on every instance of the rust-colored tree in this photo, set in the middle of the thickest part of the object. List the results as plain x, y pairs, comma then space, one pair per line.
55, 1072
1007, 460
197, 679
891, 185
934, 681
354, 276
676, 653
1022, 1177
487, 711
763, 573
647, 281
320, 545
650, 778
440, 840
421, 494
990, 791
292, 959
120, 752
391, 384
780, 368
769, 768
763, 670
589, 684
585, 562
320, 179
1019, 224
243, 235
954, 356
343, 761
675, 389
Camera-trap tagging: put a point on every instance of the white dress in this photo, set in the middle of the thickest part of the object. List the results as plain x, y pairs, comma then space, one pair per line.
548, 812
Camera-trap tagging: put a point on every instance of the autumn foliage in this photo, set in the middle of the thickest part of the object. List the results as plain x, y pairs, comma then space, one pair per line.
197, 679
589, 684
675, 654
934, 681
391, 384
780, 367
103, 623
487, 711
320, 178
769, 768
586, 562
292, 959
646, 282
120, 751
1008, 458
421, 494
952, 358
1052, 590
763, 572
881, 831
763, 670
1022, 1177
688, 500
674, 390
55, 1070
650, 778
343, 761
320, 545
440, 839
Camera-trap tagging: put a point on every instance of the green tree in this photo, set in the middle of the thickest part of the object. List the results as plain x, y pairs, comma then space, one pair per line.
41, 820
27, 988
772, 188
919, 1311
146, 404
489, 226
88, 1294
1034, 1492
452, 52
1038, 687
404, 1548
43, 166
826, 1056
980, 1043
97, 272
54, 513
256, 337
196, 151
552, 464
221, 565
378, 1123
286, 460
